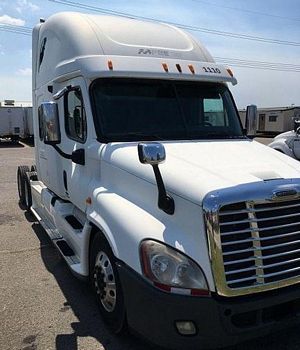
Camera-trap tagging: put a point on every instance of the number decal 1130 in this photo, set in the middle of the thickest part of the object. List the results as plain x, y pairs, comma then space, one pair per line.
211, 70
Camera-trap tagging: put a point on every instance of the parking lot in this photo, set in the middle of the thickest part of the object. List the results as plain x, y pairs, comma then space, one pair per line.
42, 306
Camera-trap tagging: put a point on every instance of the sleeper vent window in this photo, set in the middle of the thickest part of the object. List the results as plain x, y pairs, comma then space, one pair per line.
42, 51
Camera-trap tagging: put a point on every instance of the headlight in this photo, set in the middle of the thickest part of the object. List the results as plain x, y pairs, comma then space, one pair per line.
171, 270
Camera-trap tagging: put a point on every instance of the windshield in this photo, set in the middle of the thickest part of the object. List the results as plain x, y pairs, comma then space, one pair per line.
140, 110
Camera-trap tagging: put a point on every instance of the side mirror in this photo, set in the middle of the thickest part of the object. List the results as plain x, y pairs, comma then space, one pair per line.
49, 116
154, 153
251, 117
296, 125
151, 153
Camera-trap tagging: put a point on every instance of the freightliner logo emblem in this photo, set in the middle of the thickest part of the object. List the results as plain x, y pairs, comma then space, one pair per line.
153, 52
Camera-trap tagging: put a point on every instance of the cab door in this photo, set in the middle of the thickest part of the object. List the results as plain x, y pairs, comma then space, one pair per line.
74, 170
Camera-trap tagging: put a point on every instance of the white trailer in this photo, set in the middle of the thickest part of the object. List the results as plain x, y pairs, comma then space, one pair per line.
187, 229
11, 122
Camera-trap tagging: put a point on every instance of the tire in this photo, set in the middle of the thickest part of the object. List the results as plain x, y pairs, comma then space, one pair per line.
109, 298
27, 192
15, 139
21, 175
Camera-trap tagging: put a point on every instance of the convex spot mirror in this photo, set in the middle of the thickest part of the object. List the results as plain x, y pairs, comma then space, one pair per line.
251, 117
151, 153
48, 115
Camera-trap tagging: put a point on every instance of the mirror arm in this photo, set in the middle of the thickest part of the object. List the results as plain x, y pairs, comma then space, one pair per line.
60, 152
165, 201
62, 92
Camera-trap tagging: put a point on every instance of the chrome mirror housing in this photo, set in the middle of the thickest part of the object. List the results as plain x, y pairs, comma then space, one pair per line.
48, 115
152, 153
251, 117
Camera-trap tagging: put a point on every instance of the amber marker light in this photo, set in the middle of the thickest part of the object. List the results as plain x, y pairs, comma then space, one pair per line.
88, 201
179, 68
165, 67
230, 72
110, 65
191, 68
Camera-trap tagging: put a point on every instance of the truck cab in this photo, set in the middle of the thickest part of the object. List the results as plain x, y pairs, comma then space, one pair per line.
187, 229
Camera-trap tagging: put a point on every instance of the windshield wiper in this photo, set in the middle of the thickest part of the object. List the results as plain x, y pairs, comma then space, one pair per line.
222, 136
138, 134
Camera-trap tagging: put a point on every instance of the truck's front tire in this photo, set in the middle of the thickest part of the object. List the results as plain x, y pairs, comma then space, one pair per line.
106, 284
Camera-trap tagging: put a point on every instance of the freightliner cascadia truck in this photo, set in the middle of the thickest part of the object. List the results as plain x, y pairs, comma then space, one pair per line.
187, 229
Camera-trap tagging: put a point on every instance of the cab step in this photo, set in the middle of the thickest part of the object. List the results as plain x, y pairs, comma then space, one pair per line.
67, 252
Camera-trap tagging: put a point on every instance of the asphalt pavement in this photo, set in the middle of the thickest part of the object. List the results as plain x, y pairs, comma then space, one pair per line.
42, 305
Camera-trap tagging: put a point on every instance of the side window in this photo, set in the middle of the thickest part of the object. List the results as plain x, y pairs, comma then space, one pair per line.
75, 117
273, 118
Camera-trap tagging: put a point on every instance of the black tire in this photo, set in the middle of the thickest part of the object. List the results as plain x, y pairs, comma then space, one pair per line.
109, 299
21, 175
27, 192
15, 139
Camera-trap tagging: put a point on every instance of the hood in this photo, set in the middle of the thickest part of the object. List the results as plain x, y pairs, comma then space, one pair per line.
194, 168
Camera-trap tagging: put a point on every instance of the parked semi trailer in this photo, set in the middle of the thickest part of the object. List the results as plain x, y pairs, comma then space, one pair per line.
11, 122
16, 122
145, 181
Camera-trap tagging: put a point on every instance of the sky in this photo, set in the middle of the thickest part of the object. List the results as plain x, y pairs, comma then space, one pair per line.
271, 19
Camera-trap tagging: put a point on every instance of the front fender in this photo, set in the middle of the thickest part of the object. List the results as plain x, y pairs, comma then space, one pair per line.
125, 225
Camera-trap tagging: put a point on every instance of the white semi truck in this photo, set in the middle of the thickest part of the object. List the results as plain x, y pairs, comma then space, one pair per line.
187, 229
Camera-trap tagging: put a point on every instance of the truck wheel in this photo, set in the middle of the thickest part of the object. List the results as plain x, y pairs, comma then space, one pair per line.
106, 285
21, 175
27, 192
15, 139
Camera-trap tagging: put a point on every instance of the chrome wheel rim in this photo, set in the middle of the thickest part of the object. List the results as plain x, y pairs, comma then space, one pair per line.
105, 282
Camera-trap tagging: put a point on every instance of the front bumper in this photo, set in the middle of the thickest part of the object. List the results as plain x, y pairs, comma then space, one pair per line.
220, 322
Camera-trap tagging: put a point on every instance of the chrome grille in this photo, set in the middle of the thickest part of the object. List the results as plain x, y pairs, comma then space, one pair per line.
260, 242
